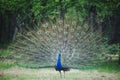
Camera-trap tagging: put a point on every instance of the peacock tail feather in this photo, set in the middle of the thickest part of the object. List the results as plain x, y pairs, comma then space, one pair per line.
80, 45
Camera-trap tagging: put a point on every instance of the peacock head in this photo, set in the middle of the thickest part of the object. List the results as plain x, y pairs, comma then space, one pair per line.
59, 52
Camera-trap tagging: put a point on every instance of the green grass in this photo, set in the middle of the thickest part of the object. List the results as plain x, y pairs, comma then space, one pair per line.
4, 53
51, 74
20, 73
12, 72
6, 65
111, 66
5, 77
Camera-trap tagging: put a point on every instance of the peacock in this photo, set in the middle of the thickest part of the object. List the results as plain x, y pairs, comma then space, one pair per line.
80, 45
59, 66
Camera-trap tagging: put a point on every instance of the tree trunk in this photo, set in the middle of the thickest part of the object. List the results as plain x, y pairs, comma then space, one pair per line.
115, 30
62, 10
119, 60
12, 27
99, 25
94, 20
7, 27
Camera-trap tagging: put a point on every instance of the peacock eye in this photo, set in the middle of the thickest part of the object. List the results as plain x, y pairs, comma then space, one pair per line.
66, 26
54, 41
81, 40
45, 25
60, 30
73, 22
72, 36
72, 30
53, 27
87, 40
60, 21
75, 40
89, 47
83, 33
33, 41
28, 33
78, 27
65, 33
49, 40
77, 34
60, 36
47, 33
38, 32
60, 43
24, 42
54, 34
65, 39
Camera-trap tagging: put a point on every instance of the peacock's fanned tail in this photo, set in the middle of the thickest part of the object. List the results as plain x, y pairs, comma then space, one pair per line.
80, 45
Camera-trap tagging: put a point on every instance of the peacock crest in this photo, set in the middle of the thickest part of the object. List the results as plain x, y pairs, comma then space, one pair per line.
80, 45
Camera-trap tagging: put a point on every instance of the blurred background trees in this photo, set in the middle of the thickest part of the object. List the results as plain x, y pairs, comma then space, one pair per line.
101, 15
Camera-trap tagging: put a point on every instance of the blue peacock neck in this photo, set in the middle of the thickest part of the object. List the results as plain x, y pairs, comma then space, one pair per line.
59, 65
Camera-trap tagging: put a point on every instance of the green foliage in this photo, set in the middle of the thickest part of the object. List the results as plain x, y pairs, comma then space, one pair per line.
34, 10
6, 5
5, 77
4, 53
103, 8
5, 64
111, 66
37, 9
42, 8
114, 49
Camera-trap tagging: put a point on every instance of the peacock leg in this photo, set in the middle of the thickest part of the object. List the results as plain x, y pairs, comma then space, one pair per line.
64, 74
60, 74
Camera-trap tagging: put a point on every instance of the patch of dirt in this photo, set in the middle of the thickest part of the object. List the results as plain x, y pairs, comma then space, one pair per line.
1, 75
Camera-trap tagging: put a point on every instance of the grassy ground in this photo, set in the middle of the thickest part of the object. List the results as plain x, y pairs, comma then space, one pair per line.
9, 71
4, 52
111, 66
13, 72
51, 74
